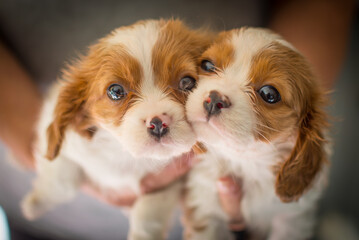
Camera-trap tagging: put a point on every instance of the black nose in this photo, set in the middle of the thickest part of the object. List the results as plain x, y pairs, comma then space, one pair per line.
157, 128
215, 102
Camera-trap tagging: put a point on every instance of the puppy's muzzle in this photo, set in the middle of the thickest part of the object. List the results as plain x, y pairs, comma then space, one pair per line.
214, 103
157, 128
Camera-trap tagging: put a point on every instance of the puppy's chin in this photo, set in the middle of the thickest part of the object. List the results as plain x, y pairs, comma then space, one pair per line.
159, 151
219, 129
163, 149
140, 144
212, 131
208, 131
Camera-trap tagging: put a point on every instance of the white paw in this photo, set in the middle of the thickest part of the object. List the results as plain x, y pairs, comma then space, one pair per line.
32, 207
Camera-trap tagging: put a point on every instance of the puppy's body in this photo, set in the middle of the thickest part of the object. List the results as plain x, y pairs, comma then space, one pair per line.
102, 159
118, 115
106, 164
276, 148
263, 212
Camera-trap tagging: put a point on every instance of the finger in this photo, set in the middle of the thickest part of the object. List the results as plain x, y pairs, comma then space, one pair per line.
29, 163
29, 159
180, 166
21, 159
230, 195
124, 199
237, 225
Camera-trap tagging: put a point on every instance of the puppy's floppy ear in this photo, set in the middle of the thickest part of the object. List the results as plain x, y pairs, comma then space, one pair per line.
71, 103
308, 156
67, 111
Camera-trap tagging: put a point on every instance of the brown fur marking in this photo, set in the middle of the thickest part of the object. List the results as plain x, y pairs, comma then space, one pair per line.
300, 112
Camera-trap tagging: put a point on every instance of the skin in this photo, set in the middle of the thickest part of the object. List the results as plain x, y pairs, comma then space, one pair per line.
229, 195
150, 183
15, 82
318, 28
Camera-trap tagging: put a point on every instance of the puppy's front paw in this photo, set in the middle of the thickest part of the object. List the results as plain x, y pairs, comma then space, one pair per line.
32, 207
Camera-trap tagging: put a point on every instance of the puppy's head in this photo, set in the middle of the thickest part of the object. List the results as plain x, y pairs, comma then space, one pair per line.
254, 86
133, 83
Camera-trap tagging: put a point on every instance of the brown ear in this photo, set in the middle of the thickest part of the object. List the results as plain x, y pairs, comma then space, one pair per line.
68, 110
71, 103
298, 172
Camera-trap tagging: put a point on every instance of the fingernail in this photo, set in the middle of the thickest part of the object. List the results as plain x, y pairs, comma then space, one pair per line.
222, 187
237, 225
227, 187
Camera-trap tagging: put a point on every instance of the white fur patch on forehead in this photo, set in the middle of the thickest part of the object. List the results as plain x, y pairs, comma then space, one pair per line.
138, 41
251, 40
247, 42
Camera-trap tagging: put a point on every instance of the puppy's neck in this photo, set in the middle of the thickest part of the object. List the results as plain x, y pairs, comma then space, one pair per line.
252, 154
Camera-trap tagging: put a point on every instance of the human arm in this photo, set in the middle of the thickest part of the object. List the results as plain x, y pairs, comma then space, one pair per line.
19, 106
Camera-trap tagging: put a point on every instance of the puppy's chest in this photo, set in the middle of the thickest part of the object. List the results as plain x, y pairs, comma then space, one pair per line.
253, 162
255, 165
106, 162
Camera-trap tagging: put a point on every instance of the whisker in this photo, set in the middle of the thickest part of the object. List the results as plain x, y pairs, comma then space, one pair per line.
270, 128
269, 142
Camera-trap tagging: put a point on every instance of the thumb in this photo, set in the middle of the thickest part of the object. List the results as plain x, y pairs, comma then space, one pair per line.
230, 195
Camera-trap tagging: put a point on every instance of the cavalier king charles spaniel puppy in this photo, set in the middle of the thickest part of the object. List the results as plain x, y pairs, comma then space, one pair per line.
117, 115
259, 110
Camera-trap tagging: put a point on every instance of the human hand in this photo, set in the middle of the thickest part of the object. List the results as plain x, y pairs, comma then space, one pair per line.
176, 169
150, 183
21, 155
121, 198
20, 103
230, 195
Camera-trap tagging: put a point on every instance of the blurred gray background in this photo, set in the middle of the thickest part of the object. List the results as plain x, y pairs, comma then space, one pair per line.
45, 34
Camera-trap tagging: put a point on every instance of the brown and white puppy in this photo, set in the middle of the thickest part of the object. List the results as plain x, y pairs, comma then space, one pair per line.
259, 110
118, 114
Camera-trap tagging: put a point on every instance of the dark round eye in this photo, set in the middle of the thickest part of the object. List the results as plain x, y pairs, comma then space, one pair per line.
208, 66
269, 94
116, 92
187, 83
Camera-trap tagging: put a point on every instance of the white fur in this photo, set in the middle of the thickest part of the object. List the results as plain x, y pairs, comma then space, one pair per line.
117, 156
139, 42
233, 150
